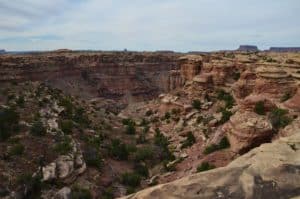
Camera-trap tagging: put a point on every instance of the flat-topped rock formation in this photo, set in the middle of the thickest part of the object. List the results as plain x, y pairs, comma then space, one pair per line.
284, 49
249, 48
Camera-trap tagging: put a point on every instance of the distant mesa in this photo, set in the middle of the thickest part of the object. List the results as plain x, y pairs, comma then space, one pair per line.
248, 48
2, 51
285, 49
62, 50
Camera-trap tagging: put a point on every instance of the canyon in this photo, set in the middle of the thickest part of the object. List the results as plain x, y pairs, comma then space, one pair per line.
177, 115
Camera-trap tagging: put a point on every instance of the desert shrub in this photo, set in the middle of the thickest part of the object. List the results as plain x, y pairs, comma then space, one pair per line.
17, 149
20, 101
66, 126
148, 113
32, 185
199, 119
279, 118
196, 104
141, 138
119, 150
9, 122
286, 97
236, 75
131, 179
224, 143
80, 193
84, 75
128, 121
175, 111
167, 116
64, 146
144, 122
260, 108
130, 129
80, 117
92, 157
225, 115
226, 97
107, 193
144, 153
141, 169
190, 140
205, 166
162, 142
38, 129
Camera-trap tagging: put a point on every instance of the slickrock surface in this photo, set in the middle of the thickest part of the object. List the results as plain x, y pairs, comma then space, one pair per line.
269, 171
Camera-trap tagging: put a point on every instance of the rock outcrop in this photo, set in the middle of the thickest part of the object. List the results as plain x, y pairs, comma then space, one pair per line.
249, 48
269, 171
284, 49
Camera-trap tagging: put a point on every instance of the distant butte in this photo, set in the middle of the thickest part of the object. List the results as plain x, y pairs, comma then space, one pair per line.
248, 48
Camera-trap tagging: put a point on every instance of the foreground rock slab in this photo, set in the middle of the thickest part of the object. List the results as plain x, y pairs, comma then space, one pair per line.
269, 171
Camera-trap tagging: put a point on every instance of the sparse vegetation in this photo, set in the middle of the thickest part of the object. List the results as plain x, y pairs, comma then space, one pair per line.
226, 97
190, 140
226, 114
38, 129
64, 146
92, 157
196, 104
119, 150
66, 126
260, 108
205, 166
286, 97
224, 143
9, 122
279, 118
16, 150
80, 193
144, 153
131, 179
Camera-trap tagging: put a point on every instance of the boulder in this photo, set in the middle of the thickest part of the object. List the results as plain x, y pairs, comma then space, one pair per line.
246, 130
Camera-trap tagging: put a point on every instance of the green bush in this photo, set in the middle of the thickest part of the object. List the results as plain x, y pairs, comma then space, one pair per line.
131, 179
107, 193
279, 118
92, 157
20, 101
149, 112
225, 115
167, 115
260, 108
162, 142
224, 143
142, 170
38, 129
64, 146
66, 126
236, 75
190, 140
196, 104
80, 193
227, 97
119, 150
130, 129
32, 185
9, 122
17, 149
144, 153
205, 166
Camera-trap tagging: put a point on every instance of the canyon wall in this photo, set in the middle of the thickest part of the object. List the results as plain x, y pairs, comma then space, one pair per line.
125, 76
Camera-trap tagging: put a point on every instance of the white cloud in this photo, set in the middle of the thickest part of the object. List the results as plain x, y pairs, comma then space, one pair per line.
148, 24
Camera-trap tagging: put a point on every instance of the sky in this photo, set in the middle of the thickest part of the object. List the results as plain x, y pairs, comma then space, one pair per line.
179, 25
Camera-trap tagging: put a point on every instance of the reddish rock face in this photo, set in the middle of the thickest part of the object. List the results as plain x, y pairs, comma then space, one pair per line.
190, 66
294, 102
116, 75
